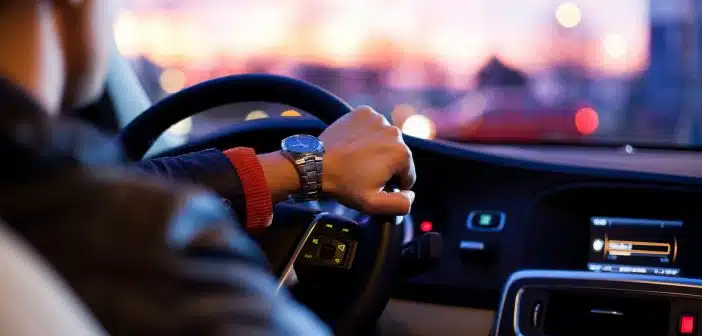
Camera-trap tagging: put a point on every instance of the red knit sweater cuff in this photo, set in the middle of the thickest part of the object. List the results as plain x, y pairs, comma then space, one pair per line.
259, 207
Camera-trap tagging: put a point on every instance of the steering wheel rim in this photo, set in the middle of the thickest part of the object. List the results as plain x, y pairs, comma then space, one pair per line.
382, 235
139, 135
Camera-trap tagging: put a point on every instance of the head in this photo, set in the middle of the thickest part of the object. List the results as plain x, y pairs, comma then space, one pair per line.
57, 50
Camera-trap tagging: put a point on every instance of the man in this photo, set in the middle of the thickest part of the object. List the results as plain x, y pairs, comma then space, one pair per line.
133, 247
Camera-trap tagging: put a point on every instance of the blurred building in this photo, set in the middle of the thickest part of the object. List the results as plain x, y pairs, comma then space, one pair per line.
660, 107
496, 73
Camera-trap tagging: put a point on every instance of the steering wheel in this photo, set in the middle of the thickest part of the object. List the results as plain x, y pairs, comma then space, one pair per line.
344, 267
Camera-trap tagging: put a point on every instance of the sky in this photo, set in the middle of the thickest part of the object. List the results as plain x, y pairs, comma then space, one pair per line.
611, 35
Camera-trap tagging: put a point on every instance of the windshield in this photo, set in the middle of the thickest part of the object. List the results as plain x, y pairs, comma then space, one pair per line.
588, 71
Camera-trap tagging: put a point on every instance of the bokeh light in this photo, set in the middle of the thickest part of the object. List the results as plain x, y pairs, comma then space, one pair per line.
172, 80
615, 45
586, 120
419, 126
401, 112
126, 32
568, 15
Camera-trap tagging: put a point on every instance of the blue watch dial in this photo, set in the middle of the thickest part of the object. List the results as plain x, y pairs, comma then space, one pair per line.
302, 144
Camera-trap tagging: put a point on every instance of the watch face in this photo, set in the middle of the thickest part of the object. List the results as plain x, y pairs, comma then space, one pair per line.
302, 144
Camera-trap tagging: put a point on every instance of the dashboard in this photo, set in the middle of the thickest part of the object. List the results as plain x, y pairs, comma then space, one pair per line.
498, 215
506, 209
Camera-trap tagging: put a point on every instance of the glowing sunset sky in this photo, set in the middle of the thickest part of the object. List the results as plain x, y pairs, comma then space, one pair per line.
611, 35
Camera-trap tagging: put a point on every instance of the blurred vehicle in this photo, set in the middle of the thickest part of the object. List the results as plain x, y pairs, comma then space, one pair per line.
504, 109
502, 115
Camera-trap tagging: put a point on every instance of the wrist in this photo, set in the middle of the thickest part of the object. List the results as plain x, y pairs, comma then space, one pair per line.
328, 177
281, 177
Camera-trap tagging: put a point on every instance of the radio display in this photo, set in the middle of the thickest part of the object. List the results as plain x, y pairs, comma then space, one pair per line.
634, 245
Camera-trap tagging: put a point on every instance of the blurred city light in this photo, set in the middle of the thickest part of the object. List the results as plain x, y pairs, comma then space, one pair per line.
401, 112
182, 128
172, 80
404, 55
256, 114
126, 34
419, 126
186, 34
568, 15
586, 120
291, 113
615, 45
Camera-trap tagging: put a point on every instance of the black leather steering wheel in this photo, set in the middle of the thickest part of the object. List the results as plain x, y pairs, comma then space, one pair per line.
142, 132
350, 294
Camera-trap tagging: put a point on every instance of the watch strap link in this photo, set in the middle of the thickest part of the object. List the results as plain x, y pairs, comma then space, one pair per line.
309, 168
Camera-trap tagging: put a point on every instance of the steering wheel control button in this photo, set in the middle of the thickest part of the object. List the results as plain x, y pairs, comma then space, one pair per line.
343, 230
486, 220
311, 249
329, 251
687, 324
332, 243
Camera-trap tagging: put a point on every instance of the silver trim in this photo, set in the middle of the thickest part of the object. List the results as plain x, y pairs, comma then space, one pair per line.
499, 227
515, 316
622, 221
606, 312
287, 271
582, 275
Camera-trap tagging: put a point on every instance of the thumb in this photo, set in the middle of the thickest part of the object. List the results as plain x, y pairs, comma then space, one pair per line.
390, 203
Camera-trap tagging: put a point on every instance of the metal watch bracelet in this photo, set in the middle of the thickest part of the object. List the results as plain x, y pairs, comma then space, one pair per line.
309, 168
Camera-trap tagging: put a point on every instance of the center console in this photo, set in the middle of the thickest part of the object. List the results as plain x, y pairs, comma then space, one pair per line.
628, 229
608, 259
574, 303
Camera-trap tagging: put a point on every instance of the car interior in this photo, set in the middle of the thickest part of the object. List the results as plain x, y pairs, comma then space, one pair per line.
504, 238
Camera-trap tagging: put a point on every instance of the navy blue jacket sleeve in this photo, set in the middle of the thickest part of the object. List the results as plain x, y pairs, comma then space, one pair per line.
209, 168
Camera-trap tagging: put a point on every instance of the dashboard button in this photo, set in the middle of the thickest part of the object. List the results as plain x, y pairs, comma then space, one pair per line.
467, 245
686, 324
475, 251
482, 220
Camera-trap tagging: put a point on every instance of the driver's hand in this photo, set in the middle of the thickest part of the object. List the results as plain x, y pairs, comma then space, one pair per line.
363, 152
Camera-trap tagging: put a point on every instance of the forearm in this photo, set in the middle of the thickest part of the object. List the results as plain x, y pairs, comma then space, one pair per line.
281, 177
230, 174
209, 168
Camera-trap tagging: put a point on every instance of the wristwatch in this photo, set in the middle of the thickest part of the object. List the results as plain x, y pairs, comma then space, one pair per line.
305, 152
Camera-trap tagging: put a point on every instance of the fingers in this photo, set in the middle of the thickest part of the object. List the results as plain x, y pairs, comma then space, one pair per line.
405, 171
404, 163
383, 147
394, 203
407, 175
369, 113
